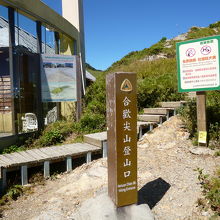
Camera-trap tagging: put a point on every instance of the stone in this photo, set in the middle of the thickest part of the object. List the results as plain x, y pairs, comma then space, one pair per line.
101, 207
202, 151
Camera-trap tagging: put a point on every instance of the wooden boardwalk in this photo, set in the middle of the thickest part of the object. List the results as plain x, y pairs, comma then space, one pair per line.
25, 159
95, 143
100, 139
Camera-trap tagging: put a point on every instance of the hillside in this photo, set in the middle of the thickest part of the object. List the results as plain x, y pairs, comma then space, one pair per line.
93, 71
156, 70
165, 48
158, 59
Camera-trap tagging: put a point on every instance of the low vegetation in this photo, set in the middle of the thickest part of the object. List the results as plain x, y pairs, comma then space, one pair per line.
157, 81
211, 191
188, 114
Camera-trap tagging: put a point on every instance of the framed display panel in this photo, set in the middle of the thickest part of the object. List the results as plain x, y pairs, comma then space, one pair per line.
198, 64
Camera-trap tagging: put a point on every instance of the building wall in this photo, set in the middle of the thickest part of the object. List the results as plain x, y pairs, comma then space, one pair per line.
72, 11
71, 32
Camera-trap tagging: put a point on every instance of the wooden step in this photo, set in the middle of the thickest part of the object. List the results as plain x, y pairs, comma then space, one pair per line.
143, 125
160, 111
176, 104
151, 118
96, 139
156, 111
99, 140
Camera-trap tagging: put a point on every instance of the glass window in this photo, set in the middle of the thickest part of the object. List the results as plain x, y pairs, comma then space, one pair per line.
25, 33
50, 45
26, 68
48, 40
67, 45
5, 80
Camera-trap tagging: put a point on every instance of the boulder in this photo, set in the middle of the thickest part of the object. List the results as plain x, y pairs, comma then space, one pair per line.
101, 207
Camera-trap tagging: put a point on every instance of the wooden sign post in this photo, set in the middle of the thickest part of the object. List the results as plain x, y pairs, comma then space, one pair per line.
122, 138
198, 63
201, 118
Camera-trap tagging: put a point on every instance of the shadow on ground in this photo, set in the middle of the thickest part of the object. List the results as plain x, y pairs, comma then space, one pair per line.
152, 192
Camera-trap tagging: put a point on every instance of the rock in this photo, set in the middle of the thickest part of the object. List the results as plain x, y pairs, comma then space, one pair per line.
155, 57
204, 213
101, 207
49, 215
202, 151
180, 37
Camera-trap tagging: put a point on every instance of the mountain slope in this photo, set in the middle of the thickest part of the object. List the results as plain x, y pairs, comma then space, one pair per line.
165, 48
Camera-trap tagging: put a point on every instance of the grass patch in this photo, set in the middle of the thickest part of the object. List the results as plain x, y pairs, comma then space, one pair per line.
189, 116
211, 190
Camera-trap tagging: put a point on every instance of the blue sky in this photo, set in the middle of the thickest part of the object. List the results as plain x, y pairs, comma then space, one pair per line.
113, 28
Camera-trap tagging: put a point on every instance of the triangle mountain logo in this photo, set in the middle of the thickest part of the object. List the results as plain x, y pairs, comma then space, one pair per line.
126, 86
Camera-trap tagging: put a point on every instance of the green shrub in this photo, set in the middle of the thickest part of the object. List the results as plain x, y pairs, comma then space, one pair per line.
91, 122
51, 137
157, 88
189, 116
211, 189
201, 32
54, 133
215, 25
15, 191
214, 135
163, 39
12, 149
12, 194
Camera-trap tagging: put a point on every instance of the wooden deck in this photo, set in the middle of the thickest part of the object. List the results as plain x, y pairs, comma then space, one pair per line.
43, 154
5, 134
176, 104
152, 118
24, 159
100, 139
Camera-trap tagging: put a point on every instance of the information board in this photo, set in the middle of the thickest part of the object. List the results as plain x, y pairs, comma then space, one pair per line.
198, 64
58, 78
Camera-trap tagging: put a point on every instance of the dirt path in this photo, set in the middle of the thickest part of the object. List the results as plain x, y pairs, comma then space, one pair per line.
167, 181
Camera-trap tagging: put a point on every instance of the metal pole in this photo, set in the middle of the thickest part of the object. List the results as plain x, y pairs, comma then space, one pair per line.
79, 90
39, 96
11, 18
57, 51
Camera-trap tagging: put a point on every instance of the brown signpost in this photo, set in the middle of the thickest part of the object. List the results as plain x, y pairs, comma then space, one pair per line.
122, 138
201, 118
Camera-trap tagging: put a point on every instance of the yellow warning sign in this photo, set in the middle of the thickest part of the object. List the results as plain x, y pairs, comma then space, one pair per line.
126, 86
202, 137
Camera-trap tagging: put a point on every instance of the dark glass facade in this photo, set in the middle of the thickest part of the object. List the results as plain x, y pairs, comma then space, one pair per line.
20, 98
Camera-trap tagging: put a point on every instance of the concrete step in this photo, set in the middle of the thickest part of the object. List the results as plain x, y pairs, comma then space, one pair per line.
152, 118
175, 105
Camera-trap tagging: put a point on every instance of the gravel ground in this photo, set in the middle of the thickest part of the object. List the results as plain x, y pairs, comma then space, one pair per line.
166, 176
